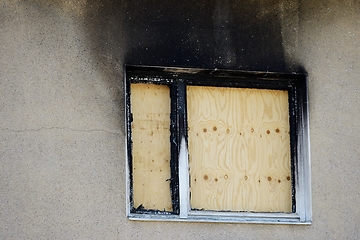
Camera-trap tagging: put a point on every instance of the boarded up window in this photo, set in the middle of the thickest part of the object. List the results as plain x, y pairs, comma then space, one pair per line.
211, 145
239, 149
151, 146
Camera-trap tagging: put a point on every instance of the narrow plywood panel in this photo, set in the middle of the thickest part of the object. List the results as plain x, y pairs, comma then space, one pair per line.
150, 106
239, 149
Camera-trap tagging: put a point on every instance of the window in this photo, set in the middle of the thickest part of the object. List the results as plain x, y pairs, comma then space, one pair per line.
217, 145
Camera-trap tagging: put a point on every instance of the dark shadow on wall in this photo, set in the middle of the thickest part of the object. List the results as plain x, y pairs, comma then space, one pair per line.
206, 33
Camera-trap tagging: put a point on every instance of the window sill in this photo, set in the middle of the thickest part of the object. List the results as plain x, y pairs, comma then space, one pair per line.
272, 218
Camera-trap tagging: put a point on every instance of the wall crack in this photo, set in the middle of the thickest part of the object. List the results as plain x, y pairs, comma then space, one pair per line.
57, 128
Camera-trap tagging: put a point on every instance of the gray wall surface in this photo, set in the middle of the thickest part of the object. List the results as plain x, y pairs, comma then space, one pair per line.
62, 140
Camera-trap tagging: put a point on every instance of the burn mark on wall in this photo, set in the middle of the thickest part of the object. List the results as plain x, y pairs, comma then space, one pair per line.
204, 34
210, 34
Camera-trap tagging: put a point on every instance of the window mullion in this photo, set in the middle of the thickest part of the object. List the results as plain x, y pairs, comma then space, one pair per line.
183, 152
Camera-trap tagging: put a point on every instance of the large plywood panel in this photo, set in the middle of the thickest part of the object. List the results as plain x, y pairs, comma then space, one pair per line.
239, 149
150, 106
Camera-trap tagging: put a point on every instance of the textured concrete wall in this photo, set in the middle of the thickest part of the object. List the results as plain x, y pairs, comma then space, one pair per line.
62, 159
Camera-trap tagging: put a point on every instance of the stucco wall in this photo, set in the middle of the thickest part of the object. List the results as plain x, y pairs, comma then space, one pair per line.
62, 159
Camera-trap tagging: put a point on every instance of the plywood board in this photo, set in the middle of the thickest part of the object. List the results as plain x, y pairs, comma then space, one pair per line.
150, 106
239, 149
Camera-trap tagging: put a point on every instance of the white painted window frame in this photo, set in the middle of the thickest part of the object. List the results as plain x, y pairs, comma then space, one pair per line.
303, 213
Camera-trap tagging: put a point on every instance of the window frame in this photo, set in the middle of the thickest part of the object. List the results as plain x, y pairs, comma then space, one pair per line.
177, 79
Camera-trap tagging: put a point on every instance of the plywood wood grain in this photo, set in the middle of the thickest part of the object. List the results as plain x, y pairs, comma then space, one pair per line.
150, 106
239, 149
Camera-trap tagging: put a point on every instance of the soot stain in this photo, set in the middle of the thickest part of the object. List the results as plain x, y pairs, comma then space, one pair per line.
209, 34
105, 36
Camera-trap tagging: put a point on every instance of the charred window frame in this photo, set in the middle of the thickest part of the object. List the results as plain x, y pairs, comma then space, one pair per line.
177, 79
